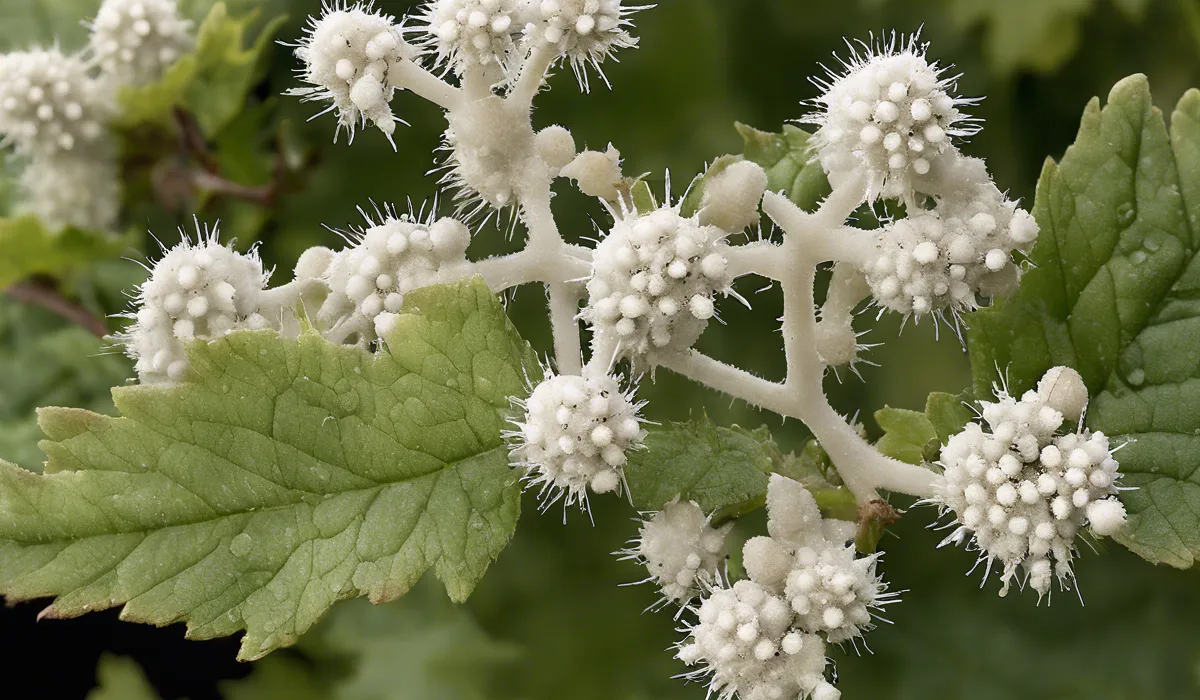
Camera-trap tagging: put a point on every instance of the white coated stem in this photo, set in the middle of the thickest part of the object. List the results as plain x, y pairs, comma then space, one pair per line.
533, 72
551, 254
427, 85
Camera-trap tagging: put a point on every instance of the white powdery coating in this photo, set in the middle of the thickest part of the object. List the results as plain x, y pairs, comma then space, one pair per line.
493, 152
892, 114
583, 31
731, 198
680, 549
134, 41
48, 104
73, 189
471, 34
576, 434
596, 173
1023, 492
654, 278
388, 260
833, 592
744, 638
348, 56
197, 291
945, 259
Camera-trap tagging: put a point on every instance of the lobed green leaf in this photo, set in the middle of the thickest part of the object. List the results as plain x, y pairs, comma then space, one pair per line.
288, 475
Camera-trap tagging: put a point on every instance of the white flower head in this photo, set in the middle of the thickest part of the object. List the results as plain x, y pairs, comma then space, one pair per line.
680, 549
576, 434
49, 104
199, 290
653, 284
73, 189
1022, 490
471, 34
745, 642
890, 114
584, 32
943, 260
348, 55
393, 255
135, 41
732, 196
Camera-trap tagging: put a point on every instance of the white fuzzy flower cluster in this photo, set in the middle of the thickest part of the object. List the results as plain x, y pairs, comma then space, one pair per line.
887, 124
944, 259
471, 34
367, 281
680, 549
72, 190
1023, 490
653, 284
891, 116
350, 56
585, 32
197, 291
55, 109
135, 41
576, 434
765, 637
49, 104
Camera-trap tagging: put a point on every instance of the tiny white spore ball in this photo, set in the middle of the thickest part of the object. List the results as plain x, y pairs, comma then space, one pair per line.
385, 261
744, 638
349, 55
72, 189
471, 34
680, 549
49, 104
197, 291
653, 284
731, 198
584, 32
892, 114
576, 434
135, 41
945, 259
1022, 491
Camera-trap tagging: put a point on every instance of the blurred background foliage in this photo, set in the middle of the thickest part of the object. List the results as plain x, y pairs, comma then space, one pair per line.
550, 621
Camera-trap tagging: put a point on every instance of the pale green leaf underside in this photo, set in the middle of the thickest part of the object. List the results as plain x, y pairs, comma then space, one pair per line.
1115, 295
288, 475
121, 678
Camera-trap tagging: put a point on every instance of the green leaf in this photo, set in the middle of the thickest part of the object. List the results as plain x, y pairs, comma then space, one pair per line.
1114, 295
416, 648
121, 678
1039, 35
788, 162
948, 413
288, 475
27, 248
721, 469
278, 677
212, 83
905, 434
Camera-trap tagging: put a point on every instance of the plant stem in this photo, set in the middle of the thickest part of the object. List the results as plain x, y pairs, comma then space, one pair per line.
51, 299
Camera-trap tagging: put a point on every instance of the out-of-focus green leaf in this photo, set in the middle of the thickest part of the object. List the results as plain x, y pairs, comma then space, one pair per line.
279, 677
789, 163
45, 360
27, 248
1114, 296
211, 83
416, 648
288, 475
121, 678
1038, 35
